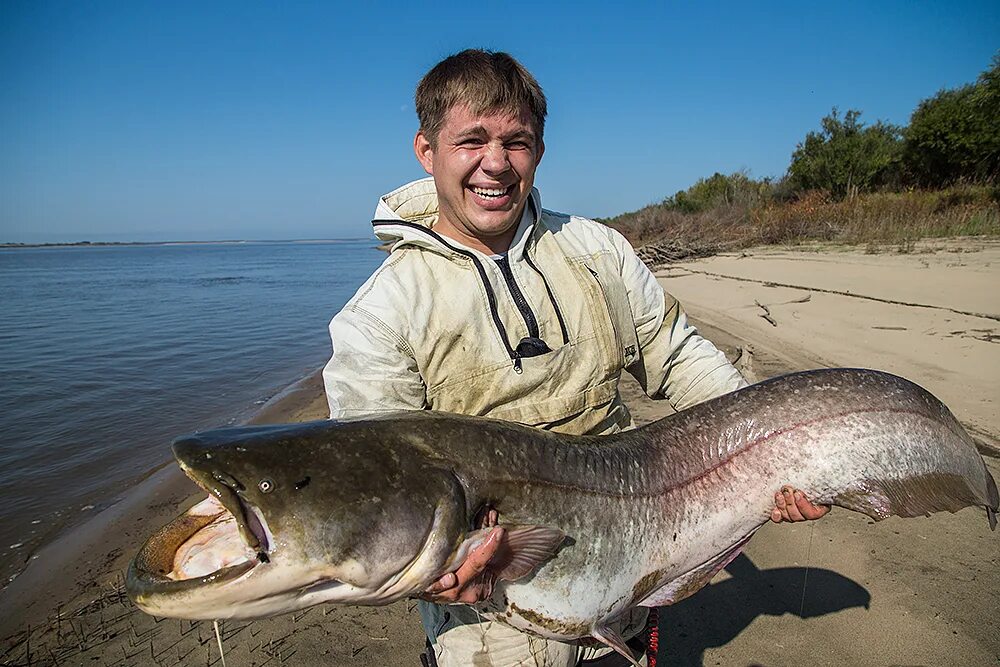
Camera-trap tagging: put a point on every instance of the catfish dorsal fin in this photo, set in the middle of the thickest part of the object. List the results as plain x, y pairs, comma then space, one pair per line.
524, 549
609, 637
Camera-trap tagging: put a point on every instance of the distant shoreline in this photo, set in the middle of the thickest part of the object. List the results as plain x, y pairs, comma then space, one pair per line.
103, 244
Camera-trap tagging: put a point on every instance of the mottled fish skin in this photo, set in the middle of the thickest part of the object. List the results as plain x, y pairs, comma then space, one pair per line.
685, 490
649, 515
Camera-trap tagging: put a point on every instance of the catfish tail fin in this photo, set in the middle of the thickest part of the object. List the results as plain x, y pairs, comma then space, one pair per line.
920, 495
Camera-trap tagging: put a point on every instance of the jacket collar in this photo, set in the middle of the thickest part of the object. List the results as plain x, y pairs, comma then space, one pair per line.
406, 216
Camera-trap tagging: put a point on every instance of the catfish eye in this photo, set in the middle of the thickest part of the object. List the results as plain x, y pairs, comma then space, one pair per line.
265, 485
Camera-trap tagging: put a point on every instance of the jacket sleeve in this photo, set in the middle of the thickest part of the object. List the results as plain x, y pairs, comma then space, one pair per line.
372, 369
674, 361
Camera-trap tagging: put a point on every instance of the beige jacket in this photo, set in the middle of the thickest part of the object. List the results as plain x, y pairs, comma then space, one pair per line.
440, 326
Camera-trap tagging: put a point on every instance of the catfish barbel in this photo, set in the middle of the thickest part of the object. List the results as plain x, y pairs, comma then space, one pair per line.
373, 510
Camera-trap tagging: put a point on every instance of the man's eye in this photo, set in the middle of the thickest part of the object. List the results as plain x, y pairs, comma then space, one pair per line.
470, 143
519, 145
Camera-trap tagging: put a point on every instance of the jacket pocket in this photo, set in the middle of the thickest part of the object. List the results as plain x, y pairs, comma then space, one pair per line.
616, 309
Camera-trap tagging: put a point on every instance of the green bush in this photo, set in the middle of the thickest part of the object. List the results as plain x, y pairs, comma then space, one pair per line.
955, 135
846, 157
736, 189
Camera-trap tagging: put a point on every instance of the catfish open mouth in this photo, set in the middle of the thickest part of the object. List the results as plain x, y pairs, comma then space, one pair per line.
217, 540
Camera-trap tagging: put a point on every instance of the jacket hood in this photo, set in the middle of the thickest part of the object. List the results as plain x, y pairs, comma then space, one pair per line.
407, 215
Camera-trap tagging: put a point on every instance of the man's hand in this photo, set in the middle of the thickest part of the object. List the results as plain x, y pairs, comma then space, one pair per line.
473, 580
792, 505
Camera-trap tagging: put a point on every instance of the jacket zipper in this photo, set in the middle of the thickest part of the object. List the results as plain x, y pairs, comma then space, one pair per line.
530, 321
490, 294
552, 298
548, 290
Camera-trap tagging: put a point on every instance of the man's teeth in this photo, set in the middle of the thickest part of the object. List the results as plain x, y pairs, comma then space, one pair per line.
490, 192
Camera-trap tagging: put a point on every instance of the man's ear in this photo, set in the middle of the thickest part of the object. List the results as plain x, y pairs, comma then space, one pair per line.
424, 151
541, 152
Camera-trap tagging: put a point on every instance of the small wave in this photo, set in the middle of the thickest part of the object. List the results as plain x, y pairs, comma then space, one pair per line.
223, 280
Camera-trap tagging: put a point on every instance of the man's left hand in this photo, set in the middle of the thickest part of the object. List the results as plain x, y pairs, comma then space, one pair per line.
473, 581
792, 505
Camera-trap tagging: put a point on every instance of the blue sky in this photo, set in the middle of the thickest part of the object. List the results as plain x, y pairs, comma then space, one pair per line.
192, 120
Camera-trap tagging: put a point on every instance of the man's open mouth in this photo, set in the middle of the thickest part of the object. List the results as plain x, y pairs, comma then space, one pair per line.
491, 193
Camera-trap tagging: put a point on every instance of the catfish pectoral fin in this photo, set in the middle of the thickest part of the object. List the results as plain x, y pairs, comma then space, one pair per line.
524, 549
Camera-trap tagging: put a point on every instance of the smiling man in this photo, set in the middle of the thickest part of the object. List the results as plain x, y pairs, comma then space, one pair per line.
490, 305
483, 168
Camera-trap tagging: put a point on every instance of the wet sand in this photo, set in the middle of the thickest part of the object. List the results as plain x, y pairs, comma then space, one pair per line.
840, 591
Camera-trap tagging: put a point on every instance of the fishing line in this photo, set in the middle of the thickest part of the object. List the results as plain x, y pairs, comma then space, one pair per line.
482, 631
805, 578
218, 638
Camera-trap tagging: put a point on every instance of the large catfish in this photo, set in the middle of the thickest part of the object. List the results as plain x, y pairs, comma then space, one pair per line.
370, 511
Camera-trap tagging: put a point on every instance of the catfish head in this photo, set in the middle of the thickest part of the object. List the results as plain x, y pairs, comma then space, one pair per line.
352, 511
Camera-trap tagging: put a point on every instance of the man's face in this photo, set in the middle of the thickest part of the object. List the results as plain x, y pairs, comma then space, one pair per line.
483, 169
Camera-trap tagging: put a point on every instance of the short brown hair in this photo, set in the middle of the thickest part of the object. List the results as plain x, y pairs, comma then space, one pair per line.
485, 82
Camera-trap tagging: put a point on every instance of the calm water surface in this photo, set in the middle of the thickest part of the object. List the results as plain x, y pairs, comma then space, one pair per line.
108, 353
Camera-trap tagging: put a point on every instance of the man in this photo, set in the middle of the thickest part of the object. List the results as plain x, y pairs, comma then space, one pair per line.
490, 305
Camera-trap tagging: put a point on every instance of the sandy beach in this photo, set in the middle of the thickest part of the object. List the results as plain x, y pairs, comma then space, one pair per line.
841, 591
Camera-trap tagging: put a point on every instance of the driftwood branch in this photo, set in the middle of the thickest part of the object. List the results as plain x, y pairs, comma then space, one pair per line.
673, 250
767, 313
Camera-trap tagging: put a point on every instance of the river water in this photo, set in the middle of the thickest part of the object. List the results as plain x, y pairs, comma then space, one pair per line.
108, 353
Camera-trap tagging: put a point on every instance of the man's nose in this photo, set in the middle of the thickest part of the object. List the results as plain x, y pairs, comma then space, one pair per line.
495, 159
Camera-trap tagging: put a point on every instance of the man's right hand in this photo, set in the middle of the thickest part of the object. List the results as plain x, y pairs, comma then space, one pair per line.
473, 580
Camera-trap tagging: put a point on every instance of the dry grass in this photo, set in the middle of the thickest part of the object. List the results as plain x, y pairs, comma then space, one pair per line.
873, 220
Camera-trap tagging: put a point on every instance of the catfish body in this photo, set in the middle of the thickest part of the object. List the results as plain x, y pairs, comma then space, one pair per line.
370, 511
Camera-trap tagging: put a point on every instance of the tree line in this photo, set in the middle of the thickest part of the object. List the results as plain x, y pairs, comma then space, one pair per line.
952, 138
